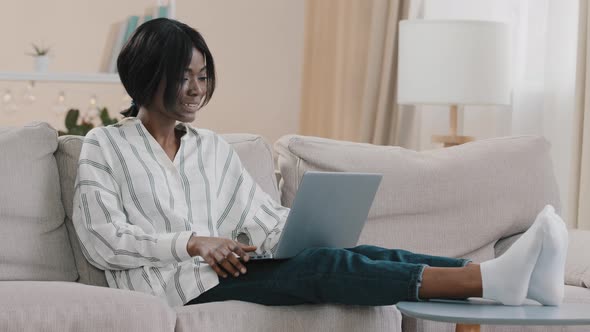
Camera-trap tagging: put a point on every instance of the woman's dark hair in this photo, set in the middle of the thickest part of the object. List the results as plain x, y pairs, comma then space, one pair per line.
160, 49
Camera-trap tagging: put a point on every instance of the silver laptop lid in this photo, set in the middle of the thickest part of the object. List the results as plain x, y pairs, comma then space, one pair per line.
329, 210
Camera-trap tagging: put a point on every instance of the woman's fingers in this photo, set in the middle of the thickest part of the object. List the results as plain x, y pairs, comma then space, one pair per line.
222, 258
233, 259
247, 248
241, 253
225, 258
215, 267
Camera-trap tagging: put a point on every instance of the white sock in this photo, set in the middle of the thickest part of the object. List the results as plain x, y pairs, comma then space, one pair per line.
547, 284
506, 278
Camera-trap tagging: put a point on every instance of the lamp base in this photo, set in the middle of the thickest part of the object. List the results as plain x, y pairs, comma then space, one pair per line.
451, 140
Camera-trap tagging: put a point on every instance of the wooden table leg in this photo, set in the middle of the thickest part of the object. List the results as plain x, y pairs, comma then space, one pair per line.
467, 328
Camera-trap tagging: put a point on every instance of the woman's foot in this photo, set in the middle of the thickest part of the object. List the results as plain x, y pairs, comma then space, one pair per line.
547, 280
506, 279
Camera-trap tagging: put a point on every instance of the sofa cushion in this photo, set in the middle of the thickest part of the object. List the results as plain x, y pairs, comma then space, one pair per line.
256, 156
33, 239
254, 152
67, 156
70, 306
447, 202
240, 316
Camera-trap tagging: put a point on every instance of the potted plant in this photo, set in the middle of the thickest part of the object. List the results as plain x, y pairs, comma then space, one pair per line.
41, 56
76, 125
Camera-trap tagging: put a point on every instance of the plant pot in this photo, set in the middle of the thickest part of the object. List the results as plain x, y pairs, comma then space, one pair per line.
41, 63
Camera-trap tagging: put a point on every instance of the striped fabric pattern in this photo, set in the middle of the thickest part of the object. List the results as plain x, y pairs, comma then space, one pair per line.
135, 209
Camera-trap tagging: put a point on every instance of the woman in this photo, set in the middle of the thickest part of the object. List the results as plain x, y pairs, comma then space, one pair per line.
159, 206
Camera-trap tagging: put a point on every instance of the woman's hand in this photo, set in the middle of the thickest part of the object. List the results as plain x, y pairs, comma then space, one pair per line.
221, 254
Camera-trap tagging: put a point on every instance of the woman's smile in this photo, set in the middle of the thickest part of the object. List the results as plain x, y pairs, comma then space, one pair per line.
190, 107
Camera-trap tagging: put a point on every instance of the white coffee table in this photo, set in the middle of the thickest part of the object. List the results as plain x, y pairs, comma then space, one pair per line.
469, 314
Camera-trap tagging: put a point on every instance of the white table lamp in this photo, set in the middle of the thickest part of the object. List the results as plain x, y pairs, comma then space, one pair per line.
452, 62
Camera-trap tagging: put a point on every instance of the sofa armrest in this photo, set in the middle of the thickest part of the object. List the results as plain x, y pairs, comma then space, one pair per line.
577, 266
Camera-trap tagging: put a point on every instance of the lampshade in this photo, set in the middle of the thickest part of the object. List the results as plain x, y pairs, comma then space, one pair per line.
453, 62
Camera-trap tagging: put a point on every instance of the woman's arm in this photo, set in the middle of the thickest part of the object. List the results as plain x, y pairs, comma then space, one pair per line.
244, 207
109, 241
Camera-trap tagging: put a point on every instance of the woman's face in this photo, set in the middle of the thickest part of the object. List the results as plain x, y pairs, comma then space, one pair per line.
192, 91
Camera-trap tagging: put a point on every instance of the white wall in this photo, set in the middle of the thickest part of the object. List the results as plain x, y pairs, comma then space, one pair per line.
257, 46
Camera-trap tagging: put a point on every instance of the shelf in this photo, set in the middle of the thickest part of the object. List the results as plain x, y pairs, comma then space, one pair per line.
61, 77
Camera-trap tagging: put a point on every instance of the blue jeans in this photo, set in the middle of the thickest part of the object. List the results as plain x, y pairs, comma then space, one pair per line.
364, 275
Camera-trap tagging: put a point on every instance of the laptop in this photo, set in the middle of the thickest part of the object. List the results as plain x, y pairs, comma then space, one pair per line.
329, 210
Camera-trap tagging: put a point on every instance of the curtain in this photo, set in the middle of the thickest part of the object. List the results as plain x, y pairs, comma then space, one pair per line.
350, 70
581, 175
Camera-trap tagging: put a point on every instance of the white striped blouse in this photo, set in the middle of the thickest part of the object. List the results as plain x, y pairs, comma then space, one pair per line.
135, 209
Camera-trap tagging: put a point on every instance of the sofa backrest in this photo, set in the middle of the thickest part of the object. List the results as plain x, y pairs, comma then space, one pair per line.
453, 202
257, 157
254, 152
33, 239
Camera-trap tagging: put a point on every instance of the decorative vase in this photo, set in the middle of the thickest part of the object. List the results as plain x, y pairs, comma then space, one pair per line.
41, 63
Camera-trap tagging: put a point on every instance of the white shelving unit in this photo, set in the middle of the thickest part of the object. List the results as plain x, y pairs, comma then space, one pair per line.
107, 78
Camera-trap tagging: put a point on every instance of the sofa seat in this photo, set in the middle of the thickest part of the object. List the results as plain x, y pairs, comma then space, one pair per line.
240, 316
70, 306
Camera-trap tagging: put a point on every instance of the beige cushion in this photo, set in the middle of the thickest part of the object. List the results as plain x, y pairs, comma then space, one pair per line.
67, 156
256, 156
33, 238
254, 152
230, 316
447, 202
68, 306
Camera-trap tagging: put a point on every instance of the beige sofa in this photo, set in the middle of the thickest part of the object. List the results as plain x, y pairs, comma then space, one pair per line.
469, 201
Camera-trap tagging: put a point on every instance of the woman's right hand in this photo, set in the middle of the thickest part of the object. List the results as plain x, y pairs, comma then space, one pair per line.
221, 254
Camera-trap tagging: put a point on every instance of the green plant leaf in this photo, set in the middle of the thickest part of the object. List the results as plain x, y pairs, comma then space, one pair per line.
105, 118
72, 118
40, 50
76, 131
86, 128
104, 115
